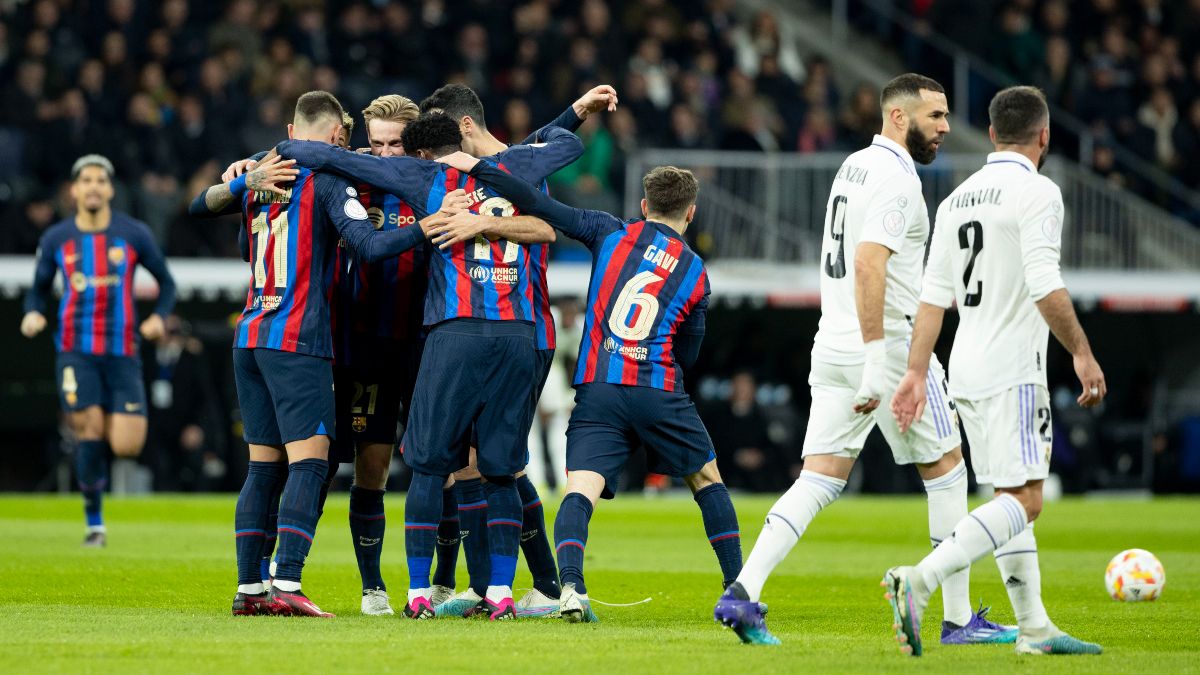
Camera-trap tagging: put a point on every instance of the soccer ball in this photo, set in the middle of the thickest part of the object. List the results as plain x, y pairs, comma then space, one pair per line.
1134, 575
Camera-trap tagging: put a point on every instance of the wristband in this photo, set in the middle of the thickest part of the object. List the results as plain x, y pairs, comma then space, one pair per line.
238, 186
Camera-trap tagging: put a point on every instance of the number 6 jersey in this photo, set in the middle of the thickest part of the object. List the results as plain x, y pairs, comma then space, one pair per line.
876, 197
648, 291
995, 251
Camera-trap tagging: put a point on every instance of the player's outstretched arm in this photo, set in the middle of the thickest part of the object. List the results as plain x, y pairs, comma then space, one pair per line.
446, 230
602, 97
266, 176
349, 216
1059, 313
401, 176
909, 400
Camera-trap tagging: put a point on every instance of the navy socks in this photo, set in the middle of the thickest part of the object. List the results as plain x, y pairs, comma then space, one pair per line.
299, 506
250, 518
721, 526
570, 538
367, 523
472, 521
422, 511
447, 541
91, 471
504, 531
534, 544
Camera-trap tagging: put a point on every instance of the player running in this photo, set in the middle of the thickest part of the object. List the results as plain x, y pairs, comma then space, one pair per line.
463, 105
647, 302
98, 369
877, 225
995, 252
479, 310
282, 351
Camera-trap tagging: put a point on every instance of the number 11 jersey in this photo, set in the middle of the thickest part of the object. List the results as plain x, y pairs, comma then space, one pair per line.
995, 251
876, 197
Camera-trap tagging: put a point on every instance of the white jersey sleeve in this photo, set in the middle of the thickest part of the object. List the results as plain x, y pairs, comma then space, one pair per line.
938, 286
1041, 226
889, 212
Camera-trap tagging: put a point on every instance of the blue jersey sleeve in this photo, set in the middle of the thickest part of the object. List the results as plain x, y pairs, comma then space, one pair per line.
555, 149
406, 177
340, 202
567, 119
43, 273
151, 257
588, 227
690, 334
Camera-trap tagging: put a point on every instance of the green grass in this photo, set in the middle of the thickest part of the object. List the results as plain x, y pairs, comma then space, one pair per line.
157, 599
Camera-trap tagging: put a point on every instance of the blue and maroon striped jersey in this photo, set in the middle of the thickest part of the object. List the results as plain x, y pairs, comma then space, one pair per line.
293, 255
543, 321
385, 298
96, 314
647, 288
486, 280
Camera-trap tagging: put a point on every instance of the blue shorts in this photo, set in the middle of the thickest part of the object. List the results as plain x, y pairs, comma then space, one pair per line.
112, 382
475, 375
373, 393
611, 420
283, 396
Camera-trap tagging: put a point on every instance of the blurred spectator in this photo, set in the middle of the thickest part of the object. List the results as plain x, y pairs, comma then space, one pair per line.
745, 453
1158, 118
1016, 50
861, 119
1187, 144
818, 133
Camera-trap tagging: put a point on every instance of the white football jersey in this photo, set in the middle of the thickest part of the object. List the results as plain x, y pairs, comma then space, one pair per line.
995, 251
876, 197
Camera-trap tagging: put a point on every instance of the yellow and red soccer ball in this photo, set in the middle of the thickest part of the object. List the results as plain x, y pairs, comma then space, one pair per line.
1134, 575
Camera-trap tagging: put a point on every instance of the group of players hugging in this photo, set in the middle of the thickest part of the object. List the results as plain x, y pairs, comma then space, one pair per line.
406, 284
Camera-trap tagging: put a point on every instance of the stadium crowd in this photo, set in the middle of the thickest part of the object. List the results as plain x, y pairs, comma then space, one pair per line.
1129, 69
172, 91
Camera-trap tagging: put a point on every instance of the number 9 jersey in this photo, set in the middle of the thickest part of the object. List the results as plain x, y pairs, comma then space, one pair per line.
876, 197
995, 251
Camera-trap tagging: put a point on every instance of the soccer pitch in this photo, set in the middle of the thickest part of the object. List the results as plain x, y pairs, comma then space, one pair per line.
157, 599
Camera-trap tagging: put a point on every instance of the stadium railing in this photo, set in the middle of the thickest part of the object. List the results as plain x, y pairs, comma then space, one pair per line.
771, 207
973, 81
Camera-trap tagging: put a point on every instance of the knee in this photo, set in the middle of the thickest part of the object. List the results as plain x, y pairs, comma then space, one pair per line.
371, 469
126, 450
87, 425
1031, 501
467, 473
706, 476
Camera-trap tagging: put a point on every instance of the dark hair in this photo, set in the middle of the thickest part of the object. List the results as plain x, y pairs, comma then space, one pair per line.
457, 101
670, 191
906, 85
313, 106
435, 132
1018, 115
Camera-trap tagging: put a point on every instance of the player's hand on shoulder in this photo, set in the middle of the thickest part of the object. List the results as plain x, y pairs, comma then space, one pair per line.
272, 172
32, 324
458, 160
153, 328
236, 169
454, 202
599, 98
1092, 379
908, 403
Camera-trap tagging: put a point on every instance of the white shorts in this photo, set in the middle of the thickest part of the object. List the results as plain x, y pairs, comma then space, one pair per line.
1011, 435
835, 429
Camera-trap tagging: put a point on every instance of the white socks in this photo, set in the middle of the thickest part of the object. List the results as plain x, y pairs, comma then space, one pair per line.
287, 586
498, 593
251, 589
1018, 563
947, 506
414, 593
786, 521
984, 530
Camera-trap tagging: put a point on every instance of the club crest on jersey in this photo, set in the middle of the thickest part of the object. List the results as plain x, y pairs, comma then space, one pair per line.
78, 282
661, 258
116, 255
359, 423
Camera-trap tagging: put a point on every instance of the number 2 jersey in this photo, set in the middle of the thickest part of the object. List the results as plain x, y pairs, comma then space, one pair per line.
647, 289
995, 251
876, 197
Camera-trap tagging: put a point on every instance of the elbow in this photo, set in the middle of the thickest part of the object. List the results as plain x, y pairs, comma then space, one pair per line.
864, 270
